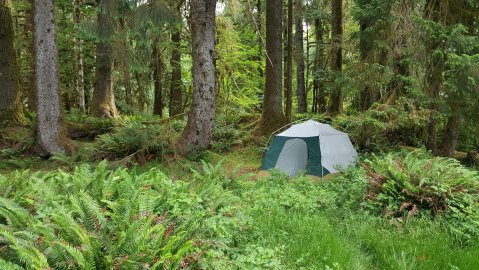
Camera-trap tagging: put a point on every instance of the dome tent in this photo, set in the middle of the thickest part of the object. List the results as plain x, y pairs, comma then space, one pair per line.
311, 146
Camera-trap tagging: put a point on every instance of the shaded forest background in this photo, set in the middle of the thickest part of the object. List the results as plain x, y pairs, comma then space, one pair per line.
395, 72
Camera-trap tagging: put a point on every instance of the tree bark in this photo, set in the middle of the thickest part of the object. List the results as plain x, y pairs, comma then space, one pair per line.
365, 48
11, 110
300, 82
260, 41
176, 91
401, 64
29, 87
451, 135
157, 73
198, 132
79, 78
335, 102
51, 133
272, 116
103, 101
433, 77
288, 76
141, 90
123, 55
319, 102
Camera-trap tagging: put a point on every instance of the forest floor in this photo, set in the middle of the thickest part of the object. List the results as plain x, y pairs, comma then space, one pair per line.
298, 237
341, 239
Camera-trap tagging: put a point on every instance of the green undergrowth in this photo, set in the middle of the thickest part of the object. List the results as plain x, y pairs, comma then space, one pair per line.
384, 125
183, 214
103, 219
333, 225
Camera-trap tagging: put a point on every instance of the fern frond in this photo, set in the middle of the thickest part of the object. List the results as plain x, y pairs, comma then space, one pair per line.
4, 265
15, 215
27, 254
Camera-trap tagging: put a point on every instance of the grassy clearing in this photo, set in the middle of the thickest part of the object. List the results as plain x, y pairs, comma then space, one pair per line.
328, 239
307, 241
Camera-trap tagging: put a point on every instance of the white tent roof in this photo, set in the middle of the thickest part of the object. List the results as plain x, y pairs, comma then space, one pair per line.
337, 151
310, 128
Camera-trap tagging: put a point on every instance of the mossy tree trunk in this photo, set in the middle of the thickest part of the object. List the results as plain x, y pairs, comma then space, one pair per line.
435, 66
288, 61
103, 101
300, 67
272, 116
259, 29
158, 65
11, 110
141, 90
51, 134
451, 135
29, 79
335, 100
319, 99
123, 62
366, 95
176, 89
198, 132
79, 73
401, 62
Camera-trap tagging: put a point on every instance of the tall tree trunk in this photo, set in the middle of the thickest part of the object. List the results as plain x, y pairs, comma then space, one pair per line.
365, 48
198, 132
335, 101
10, 95
51, 135
125, 72
260, 41
157, 74
272, 116
300, 83
319, 93
399, 83
176, 91
29, 88
433, 77
79, 76
451, 135
142, 96
288, 75
103, 101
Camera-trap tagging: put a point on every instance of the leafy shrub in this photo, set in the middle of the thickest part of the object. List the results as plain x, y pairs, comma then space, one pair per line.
100, 125
385, 124
347, 189
298, 194
101, 219
135, 139
224, 137
96, 126
404, 186
15, 141
178, 125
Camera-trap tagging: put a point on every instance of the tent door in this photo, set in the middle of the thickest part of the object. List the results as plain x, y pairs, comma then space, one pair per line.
293, 157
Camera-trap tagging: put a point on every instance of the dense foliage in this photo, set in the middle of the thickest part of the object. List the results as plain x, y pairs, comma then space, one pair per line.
417, 184
97, 218
113, 219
